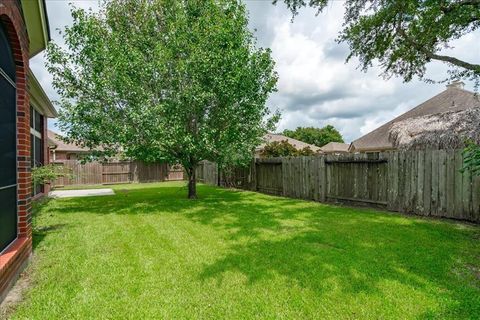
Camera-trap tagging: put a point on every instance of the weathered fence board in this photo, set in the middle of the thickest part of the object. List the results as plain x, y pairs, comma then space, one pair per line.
269, 177
425, 182
91, 173
116, 172
207, 172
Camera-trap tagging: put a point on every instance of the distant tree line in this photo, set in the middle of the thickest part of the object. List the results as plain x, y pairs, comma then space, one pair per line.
311, 135
316, 136
284, 149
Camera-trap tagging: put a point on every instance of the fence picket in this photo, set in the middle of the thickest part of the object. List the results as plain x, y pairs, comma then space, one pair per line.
91, 173
420, 182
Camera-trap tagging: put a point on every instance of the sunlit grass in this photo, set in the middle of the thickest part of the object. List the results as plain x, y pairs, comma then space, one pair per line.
149, 253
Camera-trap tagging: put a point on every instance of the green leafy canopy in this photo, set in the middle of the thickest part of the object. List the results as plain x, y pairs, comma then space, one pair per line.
164, 80
471, 155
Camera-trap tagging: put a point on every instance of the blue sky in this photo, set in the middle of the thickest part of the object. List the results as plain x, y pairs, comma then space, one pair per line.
316, 87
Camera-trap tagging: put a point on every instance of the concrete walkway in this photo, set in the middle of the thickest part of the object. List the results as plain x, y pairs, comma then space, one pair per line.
81, 193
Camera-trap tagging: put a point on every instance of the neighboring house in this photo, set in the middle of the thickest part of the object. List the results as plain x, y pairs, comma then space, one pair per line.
446, 130
335, 148
453, 99
60, 150
271, 137
24, 108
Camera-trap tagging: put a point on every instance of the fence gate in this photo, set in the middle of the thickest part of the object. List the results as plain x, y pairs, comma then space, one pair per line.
359, 177
269, 176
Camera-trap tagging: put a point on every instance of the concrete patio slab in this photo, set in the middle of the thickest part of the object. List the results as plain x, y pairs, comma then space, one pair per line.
81, 193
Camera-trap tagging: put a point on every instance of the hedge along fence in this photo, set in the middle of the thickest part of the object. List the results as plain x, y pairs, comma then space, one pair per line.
91, 173
427, 183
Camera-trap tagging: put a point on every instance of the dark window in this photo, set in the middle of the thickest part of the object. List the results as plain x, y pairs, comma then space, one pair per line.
31, 117
32, 150
38, 152
8, 216
36, 145
38, 122
7, 64
8, 145
8, 173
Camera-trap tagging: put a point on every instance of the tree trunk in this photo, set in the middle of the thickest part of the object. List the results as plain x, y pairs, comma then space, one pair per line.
192, 183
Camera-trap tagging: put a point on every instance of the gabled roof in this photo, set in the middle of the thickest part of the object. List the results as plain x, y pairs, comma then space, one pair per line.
333, 147
271, 137
54, 139
451, 99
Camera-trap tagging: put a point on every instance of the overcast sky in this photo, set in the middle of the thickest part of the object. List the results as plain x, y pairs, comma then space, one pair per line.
316, 87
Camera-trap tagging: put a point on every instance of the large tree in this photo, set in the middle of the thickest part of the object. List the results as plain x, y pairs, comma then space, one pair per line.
315, 136
164, 80
404, 35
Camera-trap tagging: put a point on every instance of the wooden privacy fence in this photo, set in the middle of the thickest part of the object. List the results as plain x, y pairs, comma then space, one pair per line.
421, 182
77, 173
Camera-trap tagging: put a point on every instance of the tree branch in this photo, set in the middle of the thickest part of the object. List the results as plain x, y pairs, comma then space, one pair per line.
452, 60
455, 5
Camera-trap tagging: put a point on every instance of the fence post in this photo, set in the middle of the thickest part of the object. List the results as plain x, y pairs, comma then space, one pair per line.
284, 178
323, 179
134, 171
254, 175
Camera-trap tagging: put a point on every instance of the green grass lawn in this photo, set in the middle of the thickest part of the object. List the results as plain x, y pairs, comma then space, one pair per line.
149, 253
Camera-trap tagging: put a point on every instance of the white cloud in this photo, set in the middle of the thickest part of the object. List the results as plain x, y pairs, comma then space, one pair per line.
316, 87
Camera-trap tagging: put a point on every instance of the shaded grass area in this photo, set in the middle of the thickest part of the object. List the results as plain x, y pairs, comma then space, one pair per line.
149, 253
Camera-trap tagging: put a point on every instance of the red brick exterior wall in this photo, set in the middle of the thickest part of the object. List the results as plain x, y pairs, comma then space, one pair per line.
15, 257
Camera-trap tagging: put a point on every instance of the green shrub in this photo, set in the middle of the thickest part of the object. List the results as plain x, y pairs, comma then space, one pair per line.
471, 156
47, 173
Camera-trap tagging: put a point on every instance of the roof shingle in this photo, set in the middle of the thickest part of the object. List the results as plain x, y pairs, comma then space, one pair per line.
451, 99
56, 140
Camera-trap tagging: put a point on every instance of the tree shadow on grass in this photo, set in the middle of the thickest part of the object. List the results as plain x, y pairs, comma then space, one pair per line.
318, 246
325, 258
214, 207
315, 245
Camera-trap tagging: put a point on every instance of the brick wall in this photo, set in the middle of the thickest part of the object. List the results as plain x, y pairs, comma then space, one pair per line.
15, 257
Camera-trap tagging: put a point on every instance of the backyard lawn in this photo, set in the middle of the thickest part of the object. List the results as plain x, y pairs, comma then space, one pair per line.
149, 253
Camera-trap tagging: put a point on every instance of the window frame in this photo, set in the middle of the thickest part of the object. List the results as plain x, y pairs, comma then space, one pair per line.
36, 133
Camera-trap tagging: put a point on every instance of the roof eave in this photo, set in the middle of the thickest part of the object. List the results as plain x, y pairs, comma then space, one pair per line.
371, 149
36, 21
39, 98
73, 151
